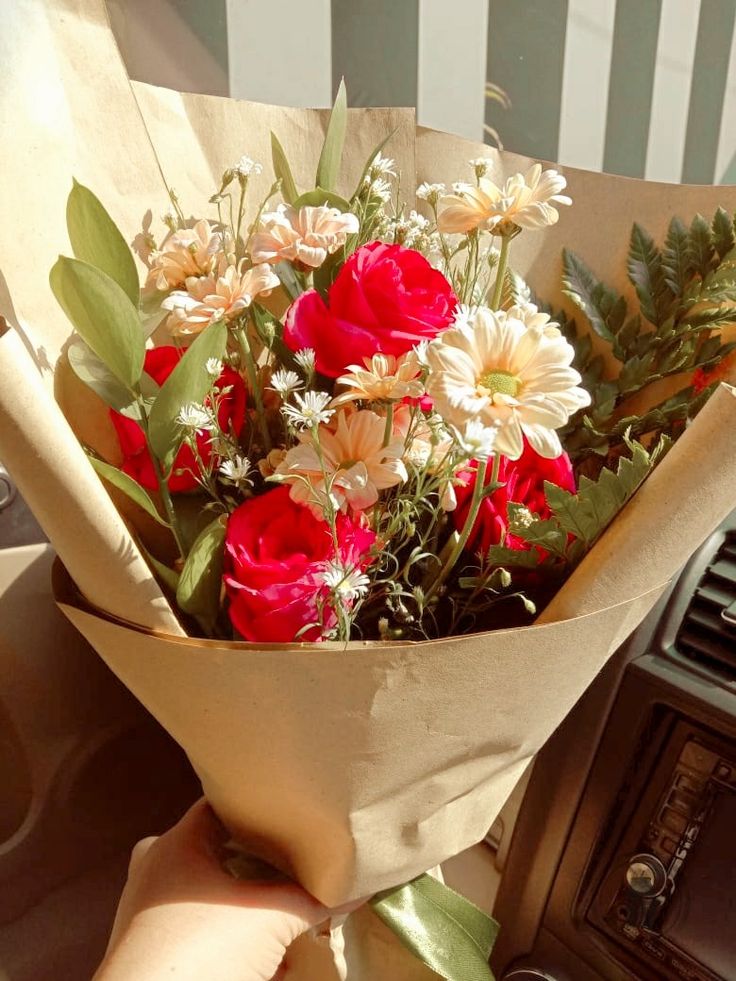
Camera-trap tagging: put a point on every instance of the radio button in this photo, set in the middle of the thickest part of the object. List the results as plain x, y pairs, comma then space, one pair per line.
646, 876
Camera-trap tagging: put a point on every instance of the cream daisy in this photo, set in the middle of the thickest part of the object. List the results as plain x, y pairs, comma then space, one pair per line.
310, 410
524, 201
210, 298
509, 371
187, 252
382, 378
307, 236
352, 456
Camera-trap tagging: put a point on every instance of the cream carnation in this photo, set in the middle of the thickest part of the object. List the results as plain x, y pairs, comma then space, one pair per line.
186, 252
210, 298
353, 458
382, 378
525, 201
509, 370
307, 236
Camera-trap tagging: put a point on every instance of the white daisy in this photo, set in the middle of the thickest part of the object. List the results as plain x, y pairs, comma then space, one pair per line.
236, 469
510, 370
285, 382
346, 583
194, 417
310, 410
213, 367
245, 167
430, 193
306, 358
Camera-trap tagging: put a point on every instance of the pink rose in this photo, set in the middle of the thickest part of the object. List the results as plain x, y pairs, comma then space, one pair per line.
523, 481
385, 299
275, 552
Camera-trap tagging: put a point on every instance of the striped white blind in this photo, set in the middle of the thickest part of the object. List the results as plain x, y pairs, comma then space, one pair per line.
645, 88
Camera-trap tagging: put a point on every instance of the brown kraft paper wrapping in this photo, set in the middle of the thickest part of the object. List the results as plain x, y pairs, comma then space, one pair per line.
353, 768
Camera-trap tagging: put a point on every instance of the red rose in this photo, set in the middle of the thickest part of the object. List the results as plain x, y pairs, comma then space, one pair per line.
137, 463
275, 551
523, 481
385, 299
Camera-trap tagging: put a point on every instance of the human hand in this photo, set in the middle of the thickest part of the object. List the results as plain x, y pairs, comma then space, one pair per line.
182, 916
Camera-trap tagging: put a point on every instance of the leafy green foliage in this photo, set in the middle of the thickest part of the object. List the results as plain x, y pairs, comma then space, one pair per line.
328, 167
92, 371
96, 239
282, 170
198, 589
319, 196
128, 486
603, 307
579, 519
686, 293
188, 382
103, 315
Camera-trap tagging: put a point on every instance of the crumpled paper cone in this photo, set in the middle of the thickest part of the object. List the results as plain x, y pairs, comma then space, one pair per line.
354, 768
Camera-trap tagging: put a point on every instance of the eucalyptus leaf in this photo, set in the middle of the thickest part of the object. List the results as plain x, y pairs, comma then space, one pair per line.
92, 371
319, 197
96, 239
169, 577
128, 486
328, 167
282, 170
200, 582
188, 382
103, 315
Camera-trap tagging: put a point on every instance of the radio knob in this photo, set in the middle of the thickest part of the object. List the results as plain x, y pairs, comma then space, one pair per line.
646, 876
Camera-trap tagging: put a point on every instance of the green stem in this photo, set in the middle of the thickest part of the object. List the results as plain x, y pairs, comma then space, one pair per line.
163, 489
250, 369
480, 483
388, 431
501, 274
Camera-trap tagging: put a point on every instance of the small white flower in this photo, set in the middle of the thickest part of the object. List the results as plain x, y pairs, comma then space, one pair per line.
430, 193
213, 367
285, 382
236, 469
194, 417
523, 518
310, 410
464, 315
382, 167
477, 440
346, 583
480, 165
306, 358
379, 188
245, 167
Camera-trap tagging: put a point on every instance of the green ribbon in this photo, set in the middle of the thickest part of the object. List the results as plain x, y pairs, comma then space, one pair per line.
439, 926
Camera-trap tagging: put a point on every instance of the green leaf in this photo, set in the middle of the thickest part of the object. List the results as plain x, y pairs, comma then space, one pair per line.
369, 163
89, 369
723, 238
200, 582
328, 167
546, 534
96, 239
676, 256
443, 929
282, 170
646, 272
518, 558
319, 197
603, 307
701, 246
188, 382
169, 577
588, 513
289, 279
103, 315
131, 487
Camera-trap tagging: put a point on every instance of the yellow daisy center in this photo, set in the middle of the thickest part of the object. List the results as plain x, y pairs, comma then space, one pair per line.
498, 383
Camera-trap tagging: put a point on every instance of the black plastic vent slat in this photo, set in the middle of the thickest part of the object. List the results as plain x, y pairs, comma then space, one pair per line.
704, 635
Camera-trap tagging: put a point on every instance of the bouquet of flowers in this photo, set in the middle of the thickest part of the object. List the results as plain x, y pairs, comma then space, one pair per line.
387, 512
